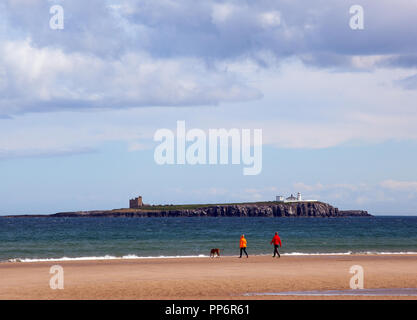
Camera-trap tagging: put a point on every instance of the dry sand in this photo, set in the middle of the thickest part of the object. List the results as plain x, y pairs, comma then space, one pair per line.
206, 278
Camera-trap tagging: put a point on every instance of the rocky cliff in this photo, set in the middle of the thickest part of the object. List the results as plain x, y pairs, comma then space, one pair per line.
266, 209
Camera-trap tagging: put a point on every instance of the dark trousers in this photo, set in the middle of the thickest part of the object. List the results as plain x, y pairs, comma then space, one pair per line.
243, 250
276, 250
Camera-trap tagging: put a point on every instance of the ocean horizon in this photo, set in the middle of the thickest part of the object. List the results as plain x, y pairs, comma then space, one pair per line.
58, 239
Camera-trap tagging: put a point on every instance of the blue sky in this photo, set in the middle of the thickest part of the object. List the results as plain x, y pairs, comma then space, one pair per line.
79, 106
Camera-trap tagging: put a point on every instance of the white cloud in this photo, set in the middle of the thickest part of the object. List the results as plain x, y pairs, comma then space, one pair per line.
303, 107
137, 146
400, 185
270, 19
300, 186
48, 79
63, 134
312, 108
221, 12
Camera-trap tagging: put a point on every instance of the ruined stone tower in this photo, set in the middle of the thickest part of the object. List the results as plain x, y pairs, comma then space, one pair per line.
135, 203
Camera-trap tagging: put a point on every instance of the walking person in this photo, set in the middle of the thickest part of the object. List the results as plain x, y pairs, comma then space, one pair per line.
276, 241
242, 245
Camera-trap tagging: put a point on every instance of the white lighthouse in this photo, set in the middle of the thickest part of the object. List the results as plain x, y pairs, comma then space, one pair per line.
291, 198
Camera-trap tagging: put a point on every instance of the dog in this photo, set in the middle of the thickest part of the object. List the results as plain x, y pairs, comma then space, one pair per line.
215, 251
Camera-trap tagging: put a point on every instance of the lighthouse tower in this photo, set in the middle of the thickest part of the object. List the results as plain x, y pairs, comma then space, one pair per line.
299, 196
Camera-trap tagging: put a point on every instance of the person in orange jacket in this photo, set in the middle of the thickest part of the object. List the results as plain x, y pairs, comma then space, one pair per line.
242, 246
276, 241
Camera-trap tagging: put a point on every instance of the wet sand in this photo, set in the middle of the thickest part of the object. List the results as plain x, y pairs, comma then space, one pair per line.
208, 278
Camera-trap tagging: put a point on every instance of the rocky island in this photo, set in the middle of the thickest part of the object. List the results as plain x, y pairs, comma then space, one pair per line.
250, 209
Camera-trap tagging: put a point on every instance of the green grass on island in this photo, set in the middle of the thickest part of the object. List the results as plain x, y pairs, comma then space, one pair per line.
167, 207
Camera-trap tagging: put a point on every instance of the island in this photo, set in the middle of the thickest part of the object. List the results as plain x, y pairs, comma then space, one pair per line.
292, 207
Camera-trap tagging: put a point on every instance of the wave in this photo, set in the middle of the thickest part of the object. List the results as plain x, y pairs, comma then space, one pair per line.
132, 256
106, 257
344, 253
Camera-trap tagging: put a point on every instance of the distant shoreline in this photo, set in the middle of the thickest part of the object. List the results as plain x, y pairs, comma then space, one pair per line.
247, 209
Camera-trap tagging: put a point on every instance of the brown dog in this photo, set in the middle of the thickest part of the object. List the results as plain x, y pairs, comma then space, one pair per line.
213, 252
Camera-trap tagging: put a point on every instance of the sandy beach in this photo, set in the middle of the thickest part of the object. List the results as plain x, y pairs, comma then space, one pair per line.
206, 278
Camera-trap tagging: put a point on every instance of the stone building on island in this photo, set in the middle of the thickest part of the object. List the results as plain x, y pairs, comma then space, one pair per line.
136, 203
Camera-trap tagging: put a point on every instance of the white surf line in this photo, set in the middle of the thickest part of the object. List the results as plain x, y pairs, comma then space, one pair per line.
132, 256
101, 258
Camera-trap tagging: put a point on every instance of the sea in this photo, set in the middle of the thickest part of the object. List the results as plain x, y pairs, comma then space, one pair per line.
55, 239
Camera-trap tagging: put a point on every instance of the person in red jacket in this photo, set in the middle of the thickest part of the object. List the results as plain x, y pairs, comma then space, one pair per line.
276, 241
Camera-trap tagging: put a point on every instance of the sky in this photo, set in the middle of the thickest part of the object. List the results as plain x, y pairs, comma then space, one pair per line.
80, 105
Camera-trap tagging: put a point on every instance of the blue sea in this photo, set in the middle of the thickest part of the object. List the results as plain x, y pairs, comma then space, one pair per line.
34, 239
